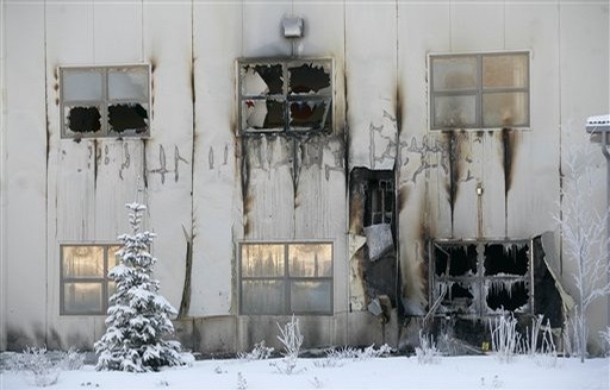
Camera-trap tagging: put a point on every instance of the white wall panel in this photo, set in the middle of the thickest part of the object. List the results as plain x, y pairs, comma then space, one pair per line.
25, 166
217, 215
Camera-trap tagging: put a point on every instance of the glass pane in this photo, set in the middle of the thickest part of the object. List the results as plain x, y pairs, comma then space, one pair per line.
113, 259
85, 261
262, 80
309, 115
505, 71
128, 83
263, 297
313, 260
262, 260
82, 119
83, 298
111, 289
310, 78
128, 118
311, 296
454, 73
263, 115
505, 109
81, 85
455, 111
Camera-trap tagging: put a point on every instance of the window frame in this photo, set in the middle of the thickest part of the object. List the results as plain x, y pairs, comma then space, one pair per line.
478, 91
104, 102
286, 278
104, 280
285, 96
479, 280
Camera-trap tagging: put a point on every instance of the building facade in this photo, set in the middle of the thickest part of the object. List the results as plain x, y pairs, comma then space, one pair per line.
335, 174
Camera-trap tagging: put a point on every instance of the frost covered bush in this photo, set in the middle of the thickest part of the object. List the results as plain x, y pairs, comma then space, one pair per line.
41, 370
259, 352
606, 336
73, 360
426, 352
505, 339
138, 316
292, 339
336, 357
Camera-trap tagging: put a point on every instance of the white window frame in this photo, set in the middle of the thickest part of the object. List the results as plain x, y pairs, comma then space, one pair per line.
104, 280
479, 91
286, 278
285, 96
104, 102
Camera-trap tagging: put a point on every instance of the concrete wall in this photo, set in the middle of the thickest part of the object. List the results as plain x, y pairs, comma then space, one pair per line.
209, 189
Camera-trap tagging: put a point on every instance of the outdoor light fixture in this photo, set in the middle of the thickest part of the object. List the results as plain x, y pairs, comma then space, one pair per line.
293, 27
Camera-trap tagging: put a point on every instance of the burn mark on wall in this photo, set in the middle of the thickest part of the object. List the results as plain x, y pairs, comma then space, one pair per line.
127, 160
454, 171
509, 144
185, 301
163, 166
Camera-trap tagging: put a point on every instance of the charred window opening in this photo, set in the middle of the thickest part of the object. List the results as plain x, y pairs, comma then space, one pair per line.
285, 95
456, 260
105, 101
506, 259
128, 118
84, 119
286, 278
489, 90
506, 295
478, 278
373, 203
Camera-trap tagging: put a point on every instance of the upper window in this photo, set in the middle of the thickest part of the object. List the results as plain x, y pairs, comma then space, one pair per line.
85, 286
286, 278
479, 90
285, 95
109, 101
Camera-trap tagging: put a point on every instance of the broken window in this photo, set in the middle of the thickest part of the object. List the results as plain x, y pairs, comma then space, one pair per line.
286, 278
285, 95
85, 286
479, 90
373, 215
479, 278
105, 101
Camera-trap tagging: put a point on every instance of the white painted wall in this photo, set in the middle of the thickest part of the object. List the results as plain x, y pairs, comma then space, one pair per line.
56, 190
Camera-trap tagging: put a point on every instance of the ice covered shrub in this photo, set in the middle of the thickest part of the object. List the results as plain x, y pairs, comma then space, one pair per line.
291, 339
36, 363
606, 337
370, 352
505, 339
138, 316
259, 352
73, 360
426, 352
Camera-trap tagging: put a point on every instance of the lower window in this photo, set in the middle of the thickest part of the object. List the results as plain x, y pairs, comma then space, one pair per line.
85, 286
286, 278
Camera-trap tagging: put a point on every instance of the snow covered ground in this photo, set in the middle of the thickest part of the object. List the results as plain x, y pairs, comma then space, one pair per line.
467, 372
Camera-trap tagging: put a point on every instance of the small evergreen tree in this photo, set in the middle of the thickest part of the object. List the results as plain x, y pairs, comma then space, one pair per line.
138, 316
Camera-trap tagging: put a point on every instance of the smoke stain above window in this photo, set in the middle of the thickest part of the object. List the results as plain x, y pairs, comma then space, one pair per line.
285, 96
105, 101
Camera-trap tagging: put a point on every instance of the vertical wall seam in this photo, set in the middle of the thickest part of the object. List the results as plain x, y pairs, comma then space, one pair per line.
46, 173
559, 61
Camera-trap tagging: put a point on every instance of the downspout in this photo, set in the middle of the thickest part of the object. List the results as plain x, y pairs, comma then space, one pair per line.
606, 153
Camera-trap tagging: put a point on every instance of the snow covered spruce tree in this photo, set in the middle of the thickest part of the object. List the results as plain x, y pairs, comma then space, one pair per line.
138, 316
